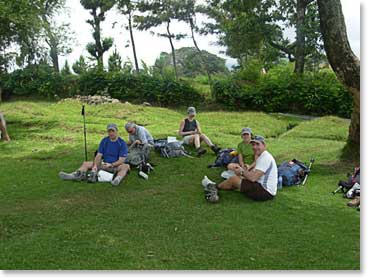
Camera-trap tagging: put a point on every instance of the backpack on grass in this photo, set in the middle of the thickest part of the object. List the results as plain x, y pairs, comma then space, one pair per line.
292, 173
172, 149
138, 154
224, 158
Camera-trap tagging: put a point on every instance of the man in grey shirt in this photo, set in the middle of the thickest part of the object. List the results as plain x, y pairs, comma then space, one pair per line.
138, 134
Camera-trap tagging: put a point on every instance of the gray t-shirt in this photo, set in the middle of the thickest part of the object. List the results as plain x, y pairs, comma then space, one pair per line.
141, 134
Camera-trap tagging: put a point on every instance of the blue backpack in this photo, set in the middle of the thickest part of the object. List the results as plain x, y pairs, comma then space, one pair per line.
224, 158
291, 173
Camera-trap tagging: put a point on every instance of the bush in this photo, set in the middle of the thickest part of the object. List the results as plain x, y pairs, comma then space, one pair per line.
42, 81
282, 91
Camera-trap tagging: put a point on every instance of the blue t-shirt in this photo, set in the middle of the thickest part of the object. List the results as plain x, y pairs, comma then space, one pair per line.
112, 150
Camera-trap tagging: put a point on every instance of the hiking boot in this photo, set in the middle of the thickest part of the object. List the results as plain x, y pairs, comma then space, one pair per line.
355, 202
206, 181
115, 182
200, 151
75, 176
92, 178
211, 193
215, 149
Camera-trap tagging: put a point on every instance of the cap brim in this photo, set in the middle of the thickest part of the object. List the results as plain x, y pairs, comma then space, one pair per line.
257, 141
245, 133
112, 129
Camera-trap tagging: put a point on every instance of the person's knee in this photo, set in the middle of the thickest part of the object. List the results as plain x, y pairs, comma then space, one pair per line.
123, 167
231, 166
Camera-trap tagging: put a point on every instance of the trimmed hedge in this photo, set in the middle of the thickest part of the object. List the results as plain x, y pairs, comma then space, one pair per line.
42, 81
313, 94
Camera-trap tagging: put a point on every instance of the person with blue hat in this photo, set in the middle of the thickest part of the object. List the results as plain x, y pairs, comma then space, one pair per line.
111, 155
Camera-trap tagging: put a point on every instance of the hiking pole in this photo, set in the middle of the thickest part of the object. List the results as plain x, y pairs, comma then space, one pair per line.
85, 134
309, 170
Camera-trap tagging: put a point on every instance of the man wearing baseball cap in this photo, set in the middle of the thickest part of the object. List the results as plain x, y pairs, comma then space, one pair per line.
191, 132
259, 184
111, 155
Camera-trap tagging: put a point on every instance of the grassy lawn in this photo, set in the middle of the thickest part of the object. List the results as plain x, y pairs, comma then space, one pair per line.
165, 222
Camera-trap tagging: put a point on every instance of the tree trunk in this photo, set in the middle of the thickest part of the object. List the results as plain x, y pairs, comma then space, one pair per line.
55, 58
300, 37
341, 57
201, 55
97, 38
173, 50
133, 44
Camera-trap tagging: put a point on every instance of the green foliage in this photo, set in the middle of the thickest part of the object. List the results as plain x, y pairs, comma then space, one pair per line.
80, 66
281, 90
189, 63
115, 62
66, 69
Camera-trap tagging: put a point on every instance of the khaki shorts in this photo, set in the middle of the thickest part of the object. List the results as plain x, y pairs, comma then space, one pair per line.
187, 139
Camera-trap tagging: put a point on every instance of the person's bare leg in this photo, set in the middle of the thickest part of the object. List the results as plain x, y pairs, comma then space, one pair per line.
197, 141
206, 140
122, 171
231, 183
3, 130
86, 166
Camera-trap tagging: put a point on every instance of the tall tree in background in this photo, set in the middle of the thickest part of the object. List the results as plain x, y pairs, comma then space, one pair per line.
19, 23
98, 9
127, 7
57, 36
187, 13
157, 13
341, 57
80, 66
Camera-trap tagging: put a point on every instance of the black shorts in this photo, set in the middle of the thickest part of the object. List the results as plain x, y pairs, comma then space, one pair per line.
255, 191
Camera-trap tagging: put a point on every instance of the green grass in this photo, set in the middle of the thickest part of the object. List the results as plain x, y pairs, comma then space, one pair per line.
165, 223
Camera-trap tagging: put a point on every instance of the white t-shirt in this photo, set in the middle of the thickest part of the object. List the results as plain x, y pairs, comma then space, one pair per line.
269, 181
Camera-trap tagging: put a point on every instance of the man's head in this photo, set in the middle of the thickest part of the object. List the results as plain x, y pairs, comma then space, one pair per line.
246, 134
191, 111
130, 128
258, 145
112, 131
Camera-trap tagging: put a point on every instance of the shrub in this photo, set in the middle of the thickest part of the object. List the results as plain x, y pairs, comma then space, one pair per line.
282, 91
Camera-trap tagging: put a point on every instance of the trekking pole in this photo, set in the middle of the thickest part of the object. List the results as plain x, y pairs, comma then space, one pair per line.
85, 134
309, 170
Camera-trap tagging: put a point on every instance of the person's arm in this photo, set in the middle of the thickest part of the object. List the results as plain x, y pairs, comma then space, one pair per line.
181, 132
97, 161
252, 176
119, 162
198, 130
240, 160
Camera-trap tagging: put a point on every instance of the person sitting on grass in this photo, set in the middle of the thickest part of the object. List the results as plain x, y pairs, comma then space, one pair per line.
191, 132
138, 134
110, 157
246, 157
259, 184
3, 132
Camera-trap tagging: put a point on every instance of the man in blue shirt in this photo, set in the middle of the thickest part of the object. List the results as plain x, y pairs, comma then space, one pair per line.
111, 155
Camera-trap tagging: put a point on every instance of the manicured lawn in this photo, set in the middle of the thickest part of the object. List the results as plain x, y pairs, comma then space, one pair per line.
165, 222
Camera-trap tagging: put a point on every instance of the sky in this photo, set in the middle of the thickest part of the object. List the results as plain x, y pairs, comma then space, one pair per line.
149, 46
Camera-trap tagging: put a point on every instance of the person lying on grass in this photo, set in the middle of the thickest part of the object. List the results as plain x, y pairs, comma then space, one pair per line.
110, 157
259, 184
191, 132
246, 157
3, 132
138, 134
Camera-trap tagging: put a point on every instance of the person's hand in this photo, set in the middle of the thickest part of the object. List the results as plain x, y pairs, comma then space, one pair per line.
246, 166
138, 142
242, 165
94, 168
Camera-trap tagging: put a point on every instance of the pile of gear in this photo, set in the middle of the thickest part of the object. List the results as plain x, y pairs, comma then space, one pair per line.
351, 188
92, 99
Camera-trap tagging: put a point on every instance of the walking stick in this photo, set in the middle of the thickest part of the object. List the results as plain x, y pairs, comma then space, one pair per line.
85, 134
309, 170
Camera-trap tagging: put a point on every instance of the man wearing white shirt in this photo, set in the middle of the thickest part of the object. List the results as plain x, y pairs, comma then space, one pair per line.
259, 184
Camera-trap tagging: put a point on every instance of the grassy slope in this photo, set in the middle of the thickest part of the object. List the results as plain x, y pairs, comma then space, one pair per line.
165, 223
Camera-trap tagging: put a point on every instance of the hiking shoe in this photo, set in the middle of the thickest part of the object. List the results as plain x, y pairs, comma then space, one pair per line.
215, 149
75, 176
115, 182
354, 203
200, 151
206, 181
92, 178
211, 193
